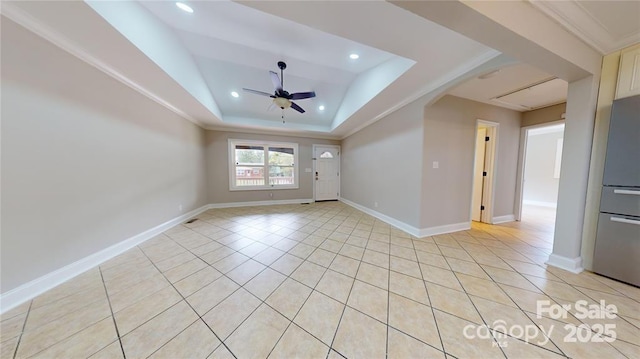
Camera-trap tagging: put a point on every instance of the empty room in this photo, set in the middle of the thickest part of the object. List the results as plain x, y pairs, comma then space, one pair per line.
324, 179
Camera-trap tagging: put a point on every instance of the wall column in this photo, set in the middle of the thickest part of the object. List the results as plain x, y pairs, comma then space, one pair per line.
578, 136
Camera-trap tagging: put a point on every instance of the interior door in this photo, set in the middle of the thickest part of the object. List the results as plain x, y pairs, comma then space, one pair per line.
478, 178
326, 172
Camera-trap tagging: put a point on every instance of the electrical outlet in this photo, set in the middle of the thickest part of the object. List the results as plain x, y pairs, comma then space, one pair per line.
436, 164
180, 208
375, 204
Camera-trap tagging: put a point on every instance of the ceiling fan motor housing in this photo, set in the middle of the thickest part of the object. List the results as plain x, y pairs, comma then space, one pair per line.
282, 98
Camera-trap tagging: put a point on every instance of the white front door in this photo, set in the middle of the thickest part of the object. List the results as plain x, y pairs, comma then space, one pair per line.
326, 172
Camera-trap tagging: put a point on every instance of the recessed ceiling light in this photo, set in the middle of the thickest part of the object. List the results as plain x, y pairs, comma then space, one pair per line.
235, 94
321, 108
354, 56
184, 7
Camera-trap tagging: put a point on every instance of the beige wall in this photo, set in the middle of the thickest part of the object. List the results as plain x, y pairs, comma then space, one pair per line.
217, 166
449, 138
390, 162
543, 115
86, 161
382, 163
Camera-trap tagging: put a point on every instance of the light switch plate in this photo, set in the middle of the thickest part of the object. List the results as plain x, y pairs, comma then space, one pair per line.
436, 164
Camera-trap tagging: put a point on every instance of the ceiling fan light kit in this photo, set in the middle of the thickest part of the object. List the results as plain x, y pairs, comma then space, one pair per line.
282, 98
282, 102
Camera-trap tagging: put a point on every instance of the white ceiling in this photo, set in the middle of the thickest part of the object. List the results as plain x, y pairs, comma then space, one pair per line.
183, 67
236, 46
508, 80
190, 63
606, 26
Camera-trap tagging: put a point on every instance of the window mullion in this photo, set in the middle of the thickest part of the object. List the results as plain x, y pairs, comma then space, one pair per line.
265, 172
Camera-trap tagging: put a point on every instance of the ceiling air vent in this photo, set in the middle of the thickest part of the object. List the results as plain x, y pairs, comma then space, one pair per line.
542, 94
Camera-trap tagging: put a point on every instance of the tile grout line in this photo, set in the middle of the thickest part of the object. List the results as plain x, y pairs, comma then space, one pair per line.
514, 302
389, 297
305, 302
494, 341
64, 338
242, 286
190, 306
113, 317
515, 244
429, 296
596, 331
24, 325
222, 275
347, 300
312, 290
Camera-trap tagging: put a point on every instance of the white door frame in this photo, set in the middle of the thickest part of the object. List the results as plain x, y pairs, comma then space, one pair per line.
491, 152
522, 158
313, 173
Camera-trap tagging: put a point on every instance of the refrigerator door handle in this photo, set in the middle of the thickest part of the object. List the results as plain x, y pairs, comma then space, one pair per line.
625, 220
626, 191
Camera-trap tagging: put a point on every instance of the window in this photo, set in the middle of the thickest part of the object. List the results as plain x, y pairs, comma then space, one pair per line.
326, 154
255, 165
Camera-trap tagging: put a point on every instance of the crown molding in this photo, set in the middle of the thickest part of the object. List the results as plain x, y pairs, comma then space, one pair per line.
438, 87
266, 131
27, 21
577, 20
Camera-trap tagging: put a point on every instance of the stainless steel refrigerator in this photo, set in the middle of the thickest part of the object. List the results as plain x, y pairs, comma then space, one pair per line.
617, 250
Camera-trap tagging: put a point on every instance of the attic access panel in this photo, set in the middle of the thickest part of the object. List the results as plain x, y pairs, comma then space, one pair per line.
547, 93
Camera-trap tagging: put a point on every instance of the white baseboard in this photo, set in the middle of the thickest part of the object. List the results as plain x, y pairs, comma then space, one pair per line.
383, 217
447, 228
503, 219
540, 203
29, 290
259, 203
573, 265
414, 231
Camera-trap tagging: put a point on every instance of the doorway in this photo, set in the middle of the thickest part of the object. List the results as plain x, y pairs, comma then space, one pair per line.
483, 171
326, 172
541, 160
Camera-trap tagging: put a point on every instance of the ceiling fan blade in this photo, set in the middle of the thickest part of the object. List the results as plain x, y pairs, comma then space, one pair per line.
277, 85
257, 92
302, 95
296, 107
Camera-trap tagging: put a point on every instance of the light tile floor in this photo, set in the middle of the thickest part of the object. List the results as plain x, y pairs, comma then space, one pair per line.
320, 281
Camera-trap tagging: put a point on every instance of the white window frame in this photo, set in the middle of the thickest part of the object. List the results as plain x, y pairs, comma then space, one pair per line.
265, 144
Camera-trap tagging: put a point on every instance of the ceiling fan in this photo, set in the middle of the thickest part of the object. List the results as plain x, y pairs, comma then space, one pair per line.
282, 98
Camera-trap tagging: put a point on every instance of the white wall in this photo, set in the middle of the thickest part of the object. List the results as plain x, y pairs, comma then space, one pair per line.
449, 138
86, 161
540, 186
383, 163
